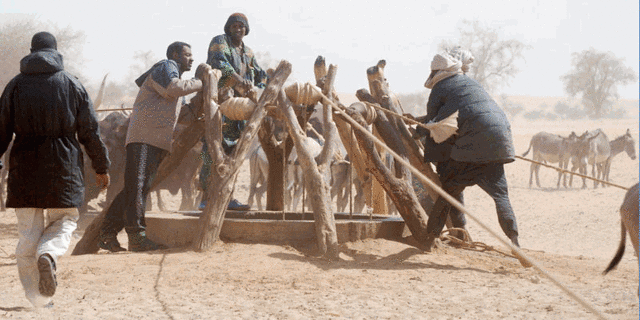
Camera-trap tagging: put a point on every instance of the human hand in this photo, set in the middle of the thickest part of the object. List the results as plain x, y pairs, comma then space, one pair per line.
103, 180
201, 70
409, 115
241, 85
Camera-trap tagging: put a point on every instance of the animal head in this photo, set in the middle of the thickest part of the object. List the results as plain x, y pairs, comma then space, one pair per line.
629, 144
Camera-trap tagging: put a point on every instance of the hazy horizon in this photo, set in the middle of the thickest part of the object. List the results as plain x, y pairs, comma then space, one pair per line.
351, 36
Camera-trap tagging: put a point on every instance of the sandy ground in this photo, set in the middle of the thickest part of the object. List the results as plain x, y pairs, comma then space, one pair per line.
572, 233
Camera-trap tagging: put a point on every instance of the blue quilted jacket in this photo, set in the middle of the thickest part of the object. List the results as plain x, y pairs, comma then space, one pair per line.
484, 133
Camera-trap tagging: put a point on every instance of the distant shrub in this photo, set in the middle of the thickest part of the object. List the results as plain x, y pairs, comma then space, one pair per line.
512, 109
535, 115
619, 113
566, 111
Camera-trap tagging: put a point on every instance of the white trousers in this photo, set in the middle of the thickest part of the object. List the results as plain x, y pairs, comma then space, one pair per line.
41, 231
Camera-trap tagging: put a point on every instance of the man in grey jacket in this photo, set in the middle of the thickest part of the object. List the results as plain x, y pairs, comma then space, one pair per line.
50, 114
149, 137
477, 153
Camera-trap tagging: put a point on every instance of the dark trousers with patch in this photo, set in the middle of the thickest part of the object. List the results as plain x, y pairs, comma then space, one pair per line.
128, 208
455, 177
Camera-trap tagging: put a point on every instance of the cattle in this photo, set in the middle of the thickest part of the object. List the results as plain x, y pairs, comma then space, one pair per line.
258, 174
628, 223
342, 177
183, 179
553, 148
113, 131
294, 179
622, 143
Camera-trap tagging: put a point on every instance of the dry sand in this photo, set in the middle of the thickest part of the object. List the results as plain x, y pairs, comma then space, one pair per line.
572, 233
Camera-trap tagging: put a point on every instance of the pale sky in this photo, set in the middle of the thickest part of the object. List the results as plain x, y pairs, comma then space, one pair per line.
353, 35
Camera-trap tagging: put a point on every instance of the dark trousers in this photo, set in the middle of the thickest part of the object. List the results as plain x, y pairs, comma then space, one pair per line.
455, 177
128, 208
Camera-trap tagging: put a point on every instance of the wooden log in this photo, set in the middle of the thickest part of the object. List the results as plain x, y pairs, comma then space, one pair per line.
399, 190
400, 133
225, 169
327, 238
276, 152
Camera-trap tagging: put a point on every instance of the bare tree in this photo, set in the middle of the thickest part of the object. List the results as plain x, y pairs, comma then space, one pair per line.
596, 75
15, 42
495, 59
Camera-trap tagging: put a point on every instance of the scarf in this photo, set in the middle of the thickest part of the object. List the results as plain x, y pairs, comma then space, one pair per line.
447, 64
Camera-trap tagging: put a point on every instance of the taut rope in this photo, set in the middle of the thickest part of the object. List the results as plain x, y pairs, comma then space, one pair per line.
571, 172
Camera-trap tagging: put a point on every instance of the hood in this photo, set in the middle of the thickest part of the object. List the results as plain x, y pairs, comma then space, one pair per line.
42, 61
144, 76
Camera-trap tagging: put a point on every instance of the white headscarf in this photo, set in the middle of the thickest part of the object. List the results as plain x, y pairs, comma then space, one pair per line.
449, 63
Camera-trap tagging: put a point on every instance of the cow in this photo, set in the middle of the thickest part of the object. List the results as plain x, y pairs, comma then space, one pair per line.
622, 143
258, 174
628, 223
342, 177
183, 179
294, 180
553, 148
113, 130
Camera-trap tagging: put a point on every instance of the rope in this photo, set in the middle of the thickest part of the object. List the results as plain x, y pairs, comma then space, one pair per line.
411, 121
519, 253
466, 242
117, 109
572, 173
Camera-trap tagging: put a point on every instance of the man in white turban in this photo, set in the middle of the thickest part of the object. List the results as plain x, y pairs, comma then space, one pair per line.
477, 153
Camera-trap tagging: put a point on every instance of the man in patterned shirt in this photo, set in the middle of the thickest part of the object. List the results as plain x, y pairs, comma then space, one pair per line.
240, 73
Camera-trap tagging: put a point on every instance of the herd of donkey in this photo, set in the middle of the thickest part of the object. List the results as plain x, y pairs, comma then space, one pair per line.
591, 148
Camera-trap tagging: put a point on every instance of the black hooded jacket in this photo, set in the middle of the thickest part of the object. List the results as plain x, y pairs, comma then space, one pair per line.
50, 114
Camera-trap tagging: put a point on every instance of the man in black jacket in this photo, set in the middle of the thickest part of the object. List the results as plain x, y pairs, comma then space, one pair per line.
50, 114
477, 153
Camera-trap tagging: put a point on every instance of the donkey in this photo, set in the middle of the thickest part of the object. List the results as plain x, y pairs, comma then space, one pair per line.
548, 147
628, 223
624, 143
599, 152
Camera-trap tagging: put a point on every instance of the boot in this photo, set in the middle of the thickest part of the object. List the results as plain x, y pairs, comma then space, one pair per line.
138, 242
47, 269
109, 241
